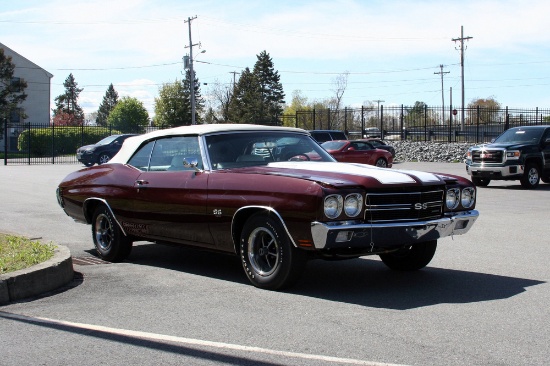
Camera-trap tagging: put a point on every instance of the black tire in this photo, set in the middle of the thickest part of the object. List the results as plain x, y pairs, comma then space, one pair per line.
411, 258
110, 243
481, 182
103, 158
381, 163
269, 259
531, 176
88, 164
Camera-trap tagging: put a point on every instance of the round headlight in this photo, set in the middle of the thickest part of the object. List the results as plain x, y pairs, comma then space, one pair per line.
468, 197
453, 196
333, 206
353, 204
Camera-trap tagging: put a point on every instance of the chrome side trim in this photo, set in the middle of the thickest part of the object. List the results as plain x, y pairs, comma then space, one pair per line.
89, 219
266, 208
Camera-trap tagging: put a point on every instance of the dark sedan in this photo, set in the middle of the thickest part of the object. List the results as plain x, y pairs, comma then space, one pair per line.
102, 151
358, 151
381, 144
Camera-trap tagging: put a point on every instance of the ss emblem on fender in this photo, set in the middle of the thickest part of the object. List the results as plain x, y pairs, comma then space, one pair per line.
217, 212
420, 206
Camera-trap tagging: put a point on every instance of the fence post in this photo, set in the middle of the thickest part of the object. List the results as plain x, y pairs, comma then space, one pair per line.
507, 123
29, 147
401, 125
362, 121
450, 121
296, 120
53, 144
425, 122
5, 141
314, 122
328, 119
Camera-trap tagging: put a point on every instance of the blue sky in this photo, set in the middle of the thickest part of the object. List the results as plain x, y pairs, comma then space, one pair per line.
391, 49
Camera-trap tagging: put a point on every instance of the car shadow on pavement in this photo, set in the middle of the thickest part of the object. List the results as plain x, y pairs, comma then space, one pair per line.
368, 282
363, 281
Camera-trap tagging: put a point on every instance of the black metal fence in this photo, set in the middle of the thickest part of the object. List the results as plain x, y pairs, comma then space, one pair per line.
423, 123
27, 143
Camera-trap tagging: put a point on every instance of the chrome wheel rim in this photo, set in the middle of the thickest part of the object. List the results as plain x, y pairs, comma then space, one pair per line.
533, 176
104, 233
381, 163
263, 251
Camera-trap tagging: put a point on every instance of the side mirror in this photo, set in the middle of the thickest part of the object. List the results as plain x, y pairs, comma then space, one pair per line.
191, 163
351, 148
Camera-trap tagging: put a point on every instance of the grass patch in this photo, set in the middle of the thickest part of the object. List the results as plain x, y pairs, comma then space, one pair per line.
18, 253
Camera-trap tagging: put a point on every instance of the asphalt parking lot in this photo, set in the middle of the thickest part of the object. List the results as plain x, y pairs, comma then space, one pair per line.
483, 300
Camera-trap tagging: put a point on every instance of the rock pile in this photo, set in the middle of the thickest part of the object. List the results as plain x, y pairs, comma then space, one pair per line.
430, 151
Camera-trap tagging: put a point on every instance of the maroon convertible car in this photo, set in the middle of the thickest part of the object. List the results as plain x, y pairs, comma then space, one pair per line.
270, 195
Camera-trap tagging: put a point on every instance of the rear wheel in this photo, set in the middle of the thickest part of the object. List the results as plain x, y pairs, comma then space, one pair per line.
103, 158
531, 176
110, 243
481, 182
269, 259
381, 163
410, 258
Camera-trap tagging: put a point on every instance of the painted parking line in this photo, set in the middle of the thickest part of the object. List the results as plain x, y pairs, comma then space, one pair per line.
191, 341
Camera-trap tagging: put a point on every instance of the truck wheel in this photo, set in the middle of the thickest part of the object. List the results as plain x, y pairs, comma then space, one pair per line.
109, 241
481, 182
269, 259
531, 176
411, 258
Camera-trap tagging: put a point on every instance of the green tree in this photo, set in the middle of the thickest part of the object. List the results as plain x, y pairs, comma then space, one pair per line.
172, 107
110, 100
67, 103
129, 115
11, 90
271, 90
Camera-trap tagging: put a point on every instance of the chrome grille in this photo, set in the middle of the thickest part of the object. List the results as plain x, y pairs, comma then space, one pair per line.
487, 156
410, 206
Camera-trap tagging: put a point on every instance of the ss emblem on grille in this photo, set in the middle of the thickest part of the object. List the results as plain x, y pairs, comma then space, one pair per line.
420, 206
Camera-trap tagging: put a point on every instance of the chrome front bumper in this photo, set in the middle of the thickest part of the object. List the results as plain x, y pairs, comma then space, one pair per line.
350, 235
492, 171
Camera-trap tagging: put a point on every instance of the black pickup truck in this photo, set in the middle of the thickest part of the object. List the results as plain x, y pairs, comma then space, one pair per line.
519, 153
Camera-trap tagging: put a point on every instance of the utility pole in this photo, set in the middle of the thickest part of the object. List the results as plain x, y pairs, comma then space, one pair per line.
442, 93
191, 73
461, 48
234, 74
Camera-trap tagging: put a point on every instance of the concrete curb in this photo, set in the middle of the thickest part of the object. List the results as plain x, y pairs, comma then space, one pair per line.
38, 279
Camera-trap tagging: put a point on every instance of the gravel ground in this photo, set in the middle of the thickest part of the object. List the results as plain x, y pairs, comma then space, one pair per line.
430, 151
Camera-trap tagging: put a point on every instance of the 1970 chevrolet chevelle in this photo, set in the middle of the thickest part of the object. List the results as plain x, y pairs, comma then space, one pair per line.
271, 195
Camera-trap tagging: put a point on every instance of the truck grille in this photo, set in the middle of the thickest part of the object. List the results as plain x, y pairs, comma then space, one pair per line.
487, 156
410, 206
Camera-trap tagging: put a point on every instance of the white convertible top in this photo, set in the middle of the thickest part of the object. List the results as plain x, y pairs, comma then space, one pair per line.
131, 144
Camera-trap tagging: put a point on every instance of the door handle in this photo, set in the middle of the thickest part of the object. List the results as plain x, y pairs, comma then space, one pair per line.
141, 183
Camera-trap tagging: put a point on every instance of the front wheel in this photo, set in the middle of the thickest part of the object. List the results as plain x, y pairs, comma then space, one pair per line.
531, 177
481, 182
109, 240
410, 258
269, 259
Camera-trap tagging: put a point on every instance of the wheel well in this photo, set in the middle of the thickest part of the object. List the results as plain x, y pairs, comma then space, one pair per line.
90, 205
536, 161
242, 215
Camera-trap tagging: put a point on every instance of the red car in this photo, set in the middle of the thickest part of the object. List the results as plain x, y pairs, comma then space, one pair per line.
270, 195
357, 151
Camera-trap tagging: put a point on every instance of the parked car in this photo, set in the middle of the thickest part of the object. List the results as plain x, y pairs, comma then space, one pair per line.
371, 132
253, 191
102, 151
519, 153
381, 144
327, 135
358, 151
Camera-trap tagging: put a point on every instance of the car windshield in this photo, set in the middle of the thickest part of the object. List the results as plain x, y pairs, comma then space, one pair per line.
333, 145
516, 135
242, 149
107, 140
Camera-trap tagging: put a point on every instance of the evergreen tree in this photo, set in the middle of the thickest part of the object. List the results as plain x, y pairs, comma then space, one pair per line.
271, 90
11, 90
67, 103
110, 100
199, 101
246, 104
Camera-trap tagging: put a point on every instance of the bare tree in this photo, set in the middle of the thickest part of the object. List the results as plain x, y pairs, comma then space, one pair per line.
221, 95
